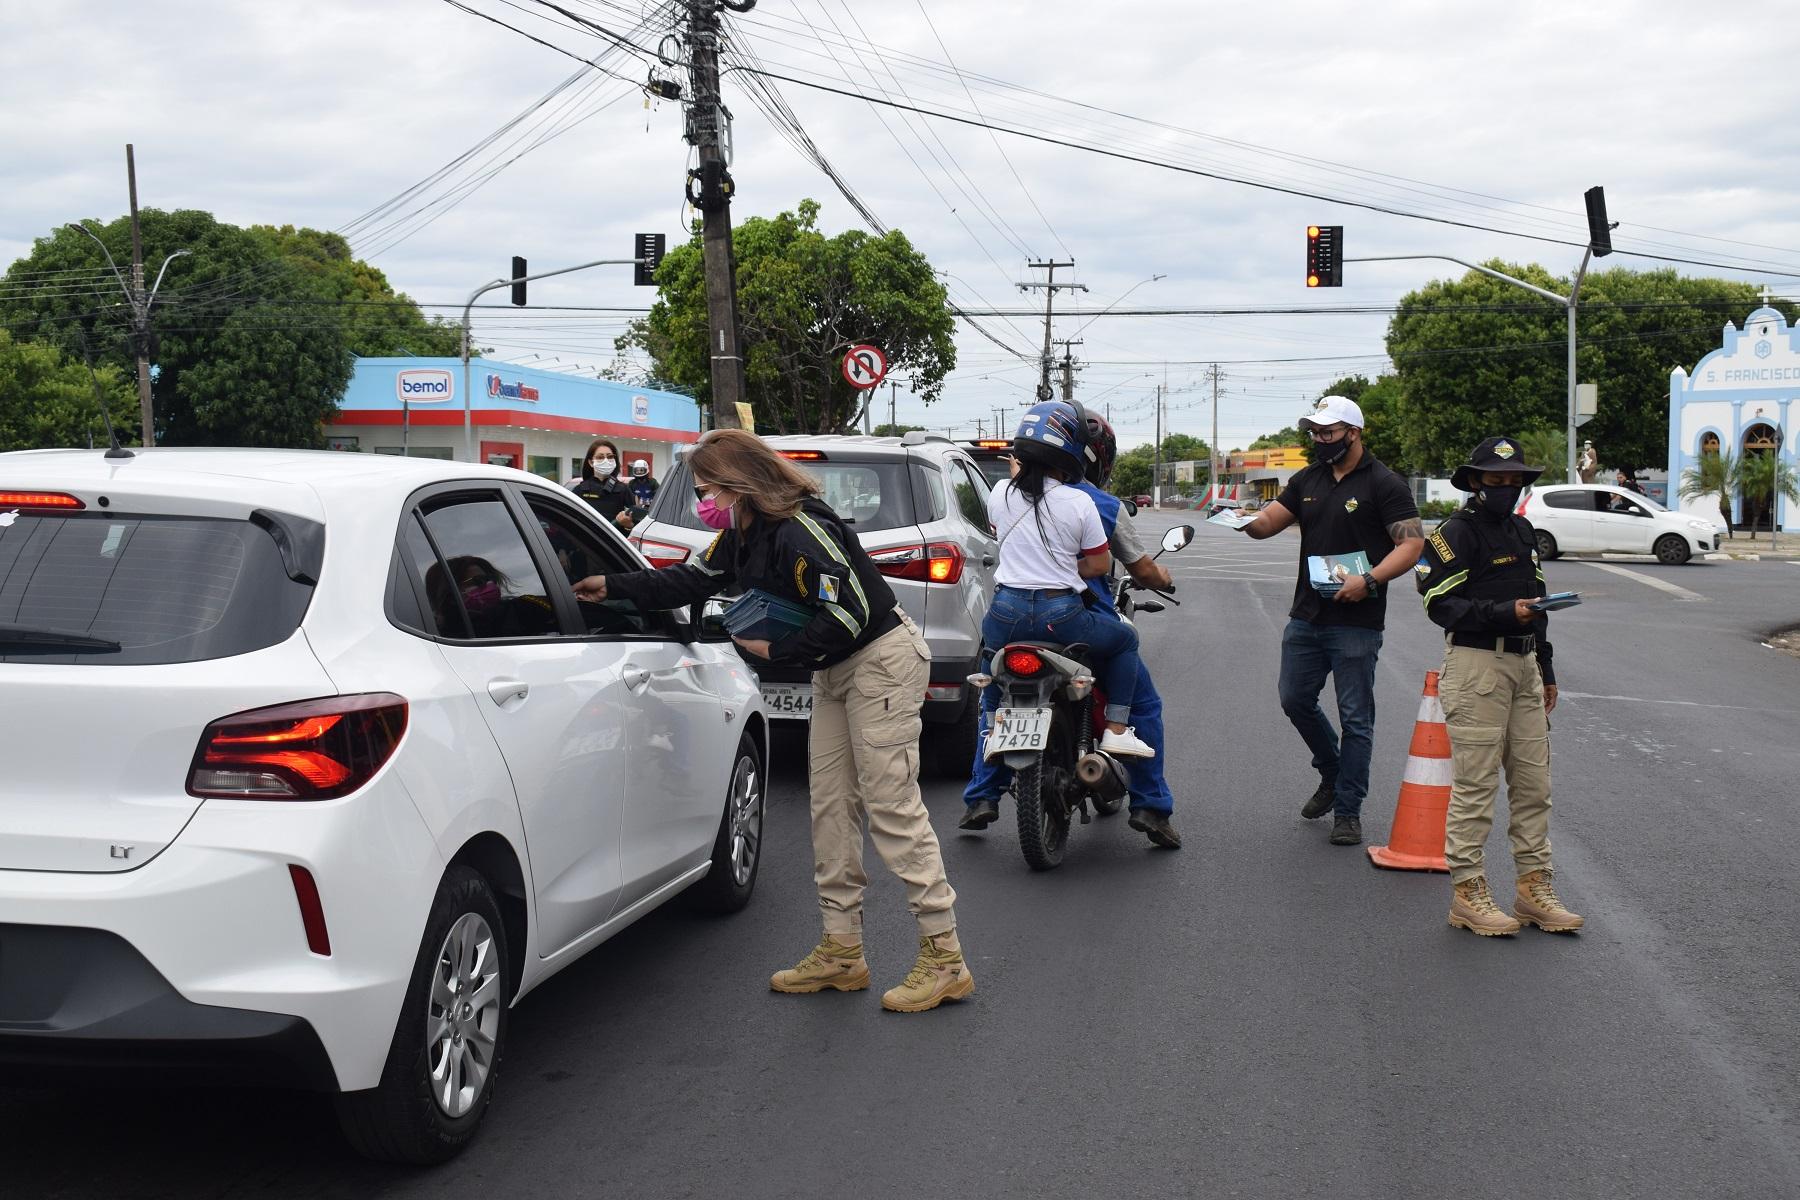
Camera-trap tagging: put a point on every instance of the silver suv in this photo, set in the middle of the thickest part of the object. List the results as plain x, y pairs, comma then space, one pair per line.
919, 506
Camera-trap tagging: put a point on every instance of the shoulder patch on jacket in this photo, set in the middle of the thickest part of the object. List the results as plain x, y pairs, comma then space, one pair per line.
828, 588
800, 574
1441, 544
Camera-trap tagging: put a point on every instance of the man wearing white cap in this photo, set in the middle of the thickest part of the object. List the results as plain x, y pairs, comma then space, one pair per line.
1345, 502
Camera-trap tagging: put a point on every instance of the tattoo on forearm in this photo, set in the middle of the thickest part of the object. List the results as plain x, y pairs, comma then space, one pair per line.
1411, 528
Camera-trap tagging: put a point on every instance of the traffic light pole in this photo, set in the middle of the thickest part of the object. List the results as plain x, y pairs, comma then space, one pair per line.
484, 289
1568, 302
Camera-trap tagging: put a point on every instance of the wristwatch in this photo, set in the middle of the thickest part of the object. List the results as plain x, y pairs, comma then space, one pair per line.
1374, 586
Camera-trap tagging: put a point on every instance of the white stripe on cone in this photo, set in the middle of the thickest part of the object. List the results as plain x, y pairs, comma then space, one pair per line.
1429, 772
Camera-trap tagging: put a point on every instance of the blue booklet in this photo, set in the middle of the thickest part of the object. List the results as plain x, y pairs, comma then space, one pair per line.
1556, 600
1327, 572
763, 616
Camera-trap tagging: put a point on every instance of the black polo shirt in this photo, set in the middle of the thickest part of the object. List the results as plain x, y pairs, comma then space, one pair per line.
1338, 516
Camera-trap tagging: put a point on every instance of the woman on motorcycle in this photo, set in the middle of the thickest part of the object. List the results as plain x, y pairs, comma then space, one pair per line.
1051, 543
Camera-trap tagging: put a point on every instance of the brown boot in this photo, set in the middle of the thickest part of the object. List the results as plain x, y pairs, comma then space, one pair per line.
939, 975
1472, 907
1537, 904
832, 964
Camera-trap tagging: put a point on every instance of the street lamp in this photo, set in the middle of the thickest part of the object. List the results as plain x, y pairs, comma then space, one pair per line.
1134, 287
140, 324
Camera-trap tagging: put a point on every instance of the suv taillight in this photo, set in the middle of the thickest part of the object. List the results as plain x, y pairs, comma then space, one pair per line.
1523, 501
310, 750
663, 554
939, 562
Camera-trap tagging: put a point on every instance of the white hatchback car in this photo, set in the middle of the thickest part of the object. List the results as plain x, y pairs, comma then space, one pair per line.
313, 765
1593, 518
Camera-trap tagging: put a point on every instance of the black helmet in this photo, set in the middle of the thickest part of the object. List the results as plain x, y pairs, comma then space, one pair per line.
1103, 450
1494, 454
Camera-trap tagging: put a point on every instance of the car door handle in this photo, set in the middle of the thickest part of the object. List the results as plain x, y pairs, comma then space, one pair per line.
500, 691
636, 678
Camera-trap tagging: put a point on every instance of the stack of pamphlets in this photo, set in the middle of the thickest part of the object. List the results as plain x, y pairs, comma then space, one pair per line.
763, 616
1327, 572
1231, 518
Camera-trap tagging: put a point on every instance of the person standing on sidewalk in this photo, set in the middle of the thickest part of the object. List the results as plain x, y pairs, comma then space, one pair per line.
870, 669
1479, 576
1344, 502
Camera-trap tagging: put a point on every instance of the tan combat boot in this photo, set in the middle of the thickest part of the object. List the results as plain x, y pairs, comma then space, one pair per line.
1537, 904
939, 975
1472, 908
832, 964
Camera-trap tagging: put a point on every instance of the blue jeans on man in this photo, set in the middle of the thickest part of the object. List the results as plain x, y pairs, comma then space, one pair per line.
1348, 654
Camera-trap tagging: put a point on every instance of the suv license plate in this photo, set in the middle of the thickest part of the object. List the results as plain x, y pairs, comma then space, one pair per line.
793, 701
1018, 730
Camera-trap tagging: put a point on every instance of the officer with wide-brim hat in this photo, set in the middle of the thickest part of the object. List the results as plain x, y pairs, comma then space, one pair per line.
1480, 577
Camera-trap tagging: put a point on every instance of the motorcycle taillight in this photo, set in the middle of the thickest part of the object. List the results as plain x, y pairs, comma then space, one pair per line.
1023, 663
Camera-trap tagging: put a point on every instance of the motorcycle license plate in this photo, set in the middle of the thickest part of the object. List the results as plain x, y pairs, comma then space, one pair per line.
788, 701
1018, 730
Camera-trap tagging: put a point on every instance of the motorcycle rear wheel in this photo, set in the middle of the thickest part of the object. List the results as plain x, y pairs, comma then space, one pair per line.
1043, 818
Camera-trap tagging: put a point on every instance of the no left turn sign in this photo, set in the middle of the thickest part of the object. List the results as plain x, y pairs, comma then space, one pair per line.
864, 367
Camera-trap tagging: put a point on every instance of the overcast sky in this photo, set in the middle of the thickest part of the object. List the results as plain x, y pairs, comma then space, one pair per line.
1497, 114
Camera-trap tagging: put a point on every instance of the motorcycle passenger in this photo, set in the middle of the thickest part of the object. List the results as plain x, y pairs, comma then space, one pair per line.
1152, 803
1051, 543
643, 485
599, 484
870, 670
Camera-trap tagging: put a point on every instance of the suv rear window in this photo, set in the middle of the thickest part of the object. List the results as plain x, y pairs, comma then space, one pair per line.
869, 494
165, 589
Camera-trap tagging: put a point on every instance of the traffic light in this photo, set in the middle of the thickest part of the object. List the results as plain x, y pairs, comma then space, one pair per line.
1324, 256
1599, 232
648, 250
518, 278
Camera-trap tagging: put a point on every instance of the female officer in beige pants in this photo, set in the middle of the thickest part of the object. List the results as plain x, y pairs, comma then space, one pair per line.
870, 671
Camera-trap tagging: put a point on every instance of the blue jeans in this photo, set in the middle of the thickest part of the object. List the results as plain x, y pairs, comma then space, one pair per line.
1309, 653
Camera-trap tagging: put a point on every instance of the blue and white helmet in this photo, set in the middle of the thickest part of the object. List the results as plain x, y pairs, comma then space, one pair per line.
1053, 434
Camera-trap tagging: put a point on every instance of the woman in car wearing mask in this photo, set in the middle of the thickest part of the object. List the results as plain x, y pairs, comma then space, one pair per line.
601, 487
870, 671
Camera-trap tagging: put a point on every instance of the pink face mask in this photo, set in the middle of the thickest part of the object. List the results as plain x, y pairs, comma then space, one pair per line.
712, 515
481, 598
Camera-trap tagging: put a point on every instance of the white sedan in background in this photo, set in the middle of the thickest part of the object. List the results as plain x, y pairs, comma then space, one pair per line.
1596, 518
311, 765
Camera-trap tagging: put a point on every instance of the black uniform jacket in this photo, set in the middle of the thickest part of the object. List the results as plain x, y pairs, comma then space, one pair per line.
608, 496
811, 557
1474, 567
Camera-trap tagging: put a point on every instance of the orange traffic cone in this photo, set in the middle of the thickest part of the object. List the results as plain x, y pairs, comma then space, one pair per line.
1416, 842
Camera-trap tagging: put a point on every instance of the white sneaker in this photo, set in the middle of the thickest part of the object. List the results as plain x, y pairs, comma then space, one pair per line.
1126, 745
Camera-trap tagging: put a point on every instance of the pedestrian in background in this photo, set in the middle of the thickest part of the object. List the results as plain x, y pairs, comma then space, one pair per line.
870, 669
1479, 576
599, 484
1344, 502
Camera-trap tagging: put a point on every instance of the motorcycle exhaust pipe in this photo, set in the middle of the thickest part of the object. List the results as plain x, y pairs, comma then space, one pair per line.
1102, 774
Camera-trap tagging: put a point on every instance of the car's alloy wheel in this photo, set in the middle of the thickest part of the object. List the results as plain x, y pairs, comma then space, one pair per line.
463, 1022
1546, 545
744, 812
1673, 549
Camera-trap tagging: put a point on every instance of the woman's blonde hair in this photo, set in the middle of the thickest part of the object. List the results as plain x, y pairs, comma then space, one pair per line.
741, 463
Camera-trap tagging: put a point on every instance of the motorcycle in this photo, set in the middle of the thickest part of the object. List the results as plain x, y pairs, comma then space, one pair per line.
1049, 724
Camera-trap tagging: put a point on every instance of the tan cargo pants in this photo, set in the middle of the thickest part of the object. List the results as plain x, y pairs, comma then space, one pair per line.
1494, 707
864, 752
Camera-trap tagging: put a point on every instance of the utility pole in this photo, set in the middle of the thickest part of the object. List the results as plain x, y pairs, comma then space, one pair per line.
1051, 287
1068, 368
1156, 470
142, 335
1212, 454
709, 189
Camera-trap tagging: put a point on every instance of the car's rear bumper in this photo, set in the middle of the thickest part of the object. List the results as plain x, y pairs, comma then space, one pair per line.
945, 703
84, 1002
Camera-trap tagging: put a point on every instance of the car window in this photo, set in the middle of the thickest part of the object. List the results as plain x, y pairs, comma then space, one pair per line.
994, 470
479, 578
1570, 498
1621, 505
164, 589
582, 551
674, 502
971, 497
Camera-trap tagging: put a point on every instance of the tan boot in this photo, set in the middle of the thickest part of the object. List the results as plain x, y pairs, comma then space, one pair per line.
939, 975
1472, 907
832, 964
1538, 905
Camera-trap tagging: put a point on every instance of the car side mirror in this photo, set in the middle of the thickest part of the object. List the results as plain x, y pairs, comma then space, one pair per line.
1177, 537
711, 626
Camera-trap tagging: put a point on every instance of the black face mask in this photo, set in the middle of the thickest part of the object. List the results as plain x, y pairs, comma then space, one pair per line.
1498, 501
1330, 452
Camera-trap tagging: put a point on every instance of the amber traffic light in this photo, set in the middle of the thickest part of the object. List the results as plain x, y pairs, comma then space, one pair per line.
1324, 256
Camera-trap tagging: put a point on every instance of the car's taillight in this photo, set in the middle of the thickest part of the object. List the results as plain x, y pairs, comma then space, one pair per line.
939, 562
39, 500
663, 554
1022, 663
310, 750
1523, 501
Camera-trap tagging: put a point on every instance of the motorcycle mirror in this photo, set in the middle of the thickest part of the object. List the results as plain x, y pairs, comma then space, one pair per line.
1177, 537
1149, 606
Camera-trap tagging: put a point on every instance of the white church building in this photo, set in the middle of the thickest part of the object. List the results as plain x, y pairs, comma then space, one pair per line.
1738, 398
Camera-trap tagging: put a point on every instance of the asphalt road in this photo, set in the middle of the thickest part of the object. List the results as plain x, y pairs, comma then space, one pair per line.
1260, 1014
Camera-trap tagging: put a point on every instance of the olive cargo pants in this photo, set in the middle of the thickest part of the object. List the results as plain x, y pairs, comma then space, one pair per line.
864, 767
1494, 707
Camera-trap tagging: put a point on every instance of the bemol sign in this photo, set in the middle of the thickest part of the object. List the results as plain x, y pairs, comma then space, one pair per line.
640, 409
424, 385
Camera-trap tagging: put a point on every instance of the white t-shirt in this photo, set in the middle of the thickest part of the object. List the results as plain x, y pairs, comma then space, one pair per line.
1044, 559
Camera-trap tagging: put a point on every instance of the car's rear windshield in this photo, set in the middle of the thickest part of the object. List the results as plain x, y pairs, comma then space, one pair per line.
994, 469
870, 494
161, 589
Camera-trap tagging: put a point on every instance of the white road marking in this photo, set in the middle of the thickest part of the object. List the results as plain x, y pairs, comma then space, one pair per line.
1678, 703
1661, 585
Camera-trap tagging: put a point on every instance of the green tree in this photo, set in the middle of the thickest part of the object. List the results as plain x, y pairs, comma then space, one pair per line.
1131, 472
47, 399
1381, 423
1478, 357
1760, 476
1710, 476
377, 320
897, 430
251, 350
803, 299
1291, 436
1549, 449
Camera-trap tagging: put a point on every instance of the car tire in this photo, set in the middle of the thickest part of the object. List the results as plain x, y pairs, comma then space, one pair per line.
436, 1088
1673, 550
950, 747
737, 850
1546, 545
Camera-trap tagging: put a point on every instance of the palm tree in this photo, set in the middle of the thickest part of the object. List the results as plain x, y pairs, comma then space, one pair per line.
1549, 447
1712, 474
1762, 477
